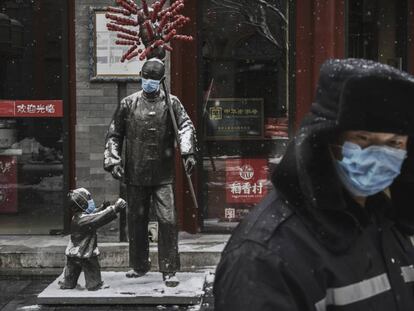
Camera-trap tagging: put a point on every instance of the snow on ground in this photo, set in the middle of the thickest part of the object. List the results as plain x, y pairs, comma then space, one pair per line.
150, 285
29, 308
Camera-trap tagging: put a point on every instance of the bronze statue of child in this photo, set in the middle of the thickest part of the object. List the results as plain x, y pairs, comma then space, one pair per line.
82, 251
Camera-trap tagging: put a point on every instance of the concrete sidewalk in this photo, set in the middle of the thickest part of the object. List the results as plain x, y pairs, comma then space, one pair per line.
31, 255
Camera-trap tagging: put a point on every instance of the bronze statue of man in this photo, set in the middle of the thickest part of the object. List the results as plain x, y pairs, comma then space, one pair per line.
142, 124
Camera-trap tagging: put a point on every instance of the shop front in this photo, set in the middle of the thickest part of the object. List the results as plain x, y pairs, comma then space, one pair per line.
34, 146
247, 81
252, 75
245, 111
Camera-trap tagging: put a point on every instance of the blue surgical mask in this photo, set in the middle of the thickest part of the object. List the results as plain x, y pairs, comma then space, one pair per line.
91, 207
367, 171
150, 86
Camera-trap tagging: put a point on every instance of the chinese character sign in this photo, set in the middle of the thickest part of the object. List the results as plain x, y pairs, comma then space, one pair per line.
31, 108
246, 180
229, 213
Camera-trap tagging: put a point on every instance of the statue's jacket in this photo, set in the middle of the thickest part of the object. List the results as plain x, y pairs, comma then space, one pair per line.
83, 241
145, 127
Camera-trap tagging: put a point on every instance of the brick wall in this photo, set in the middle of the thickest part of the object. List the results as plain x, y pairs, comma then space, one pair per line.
95, 103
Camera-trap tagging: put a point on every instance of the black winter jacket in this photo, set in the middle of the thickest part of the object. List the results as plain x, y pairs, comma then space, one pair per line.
274, 262
308, 246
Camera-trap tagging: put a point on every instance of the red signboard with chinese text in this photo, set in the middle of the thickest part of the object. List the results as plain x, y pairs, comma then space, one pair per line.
8, 184
246, 180
31, 108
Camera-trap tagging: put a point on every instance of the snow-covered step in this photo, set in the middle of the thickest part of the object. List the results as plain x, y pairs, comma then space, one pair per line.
118, 289
46, 254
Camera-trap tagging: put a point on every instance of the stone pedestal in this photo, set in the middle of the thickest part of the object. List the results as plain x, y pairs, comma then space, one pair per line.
118, 289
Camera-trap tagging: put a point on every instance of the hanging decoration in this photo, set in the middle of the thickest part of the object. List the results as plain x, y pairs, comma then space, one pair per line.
152, 25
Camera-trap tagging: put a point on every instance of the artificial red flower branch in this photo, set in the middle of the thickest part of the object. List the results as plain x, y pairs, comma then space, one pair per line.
153, 25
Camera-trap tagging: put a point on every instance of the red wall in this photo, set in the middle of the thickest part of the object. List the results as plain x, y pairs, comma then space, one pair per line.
320, 35
184, 85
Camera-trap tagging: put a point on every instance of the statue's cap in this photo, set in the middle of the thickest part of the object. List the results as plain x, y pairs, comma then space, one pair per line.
153, 69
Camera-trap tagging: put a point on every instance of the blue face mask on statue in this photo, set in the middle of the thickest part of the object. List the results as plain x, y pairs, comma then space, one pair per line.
367, 171
150, 86
91, 207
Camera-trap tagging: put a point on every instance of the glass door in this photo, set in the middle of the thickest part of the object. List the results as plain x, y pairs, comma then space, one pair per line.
32, 127
245, 107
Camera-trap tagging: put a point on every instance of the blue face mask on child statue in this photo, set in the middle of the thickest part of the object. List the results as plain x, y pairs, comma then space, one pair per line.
150, 86
367, 171
91, 207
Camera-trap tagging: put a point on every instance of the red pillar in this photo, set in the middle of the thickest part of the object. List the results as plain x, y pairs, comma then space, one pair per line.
320, 35
184, 86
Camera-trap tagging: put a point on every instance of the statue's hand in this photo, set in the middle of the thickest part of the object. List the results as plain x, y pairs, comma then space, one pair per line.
120, 205
190, 163
117, 172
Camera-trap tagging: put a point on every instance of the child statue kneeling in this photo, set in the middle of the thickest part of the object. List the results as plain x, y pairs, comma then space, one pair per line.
82, 251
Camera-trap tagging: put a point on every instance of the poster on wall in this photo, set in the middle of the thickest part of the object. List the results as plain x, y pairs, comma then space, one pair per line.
246, 181
234, 118
105, 55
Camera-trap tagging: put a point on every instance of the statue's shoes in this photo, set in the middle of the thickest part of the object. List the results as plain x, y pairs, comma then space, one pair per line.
97, 287
62, 285
170, 279
135, 274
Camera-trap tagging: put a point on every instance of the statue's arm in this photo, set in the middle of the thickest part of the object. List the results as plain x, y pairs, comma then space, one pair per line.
103, 206
96, 220
115, 137
186, 130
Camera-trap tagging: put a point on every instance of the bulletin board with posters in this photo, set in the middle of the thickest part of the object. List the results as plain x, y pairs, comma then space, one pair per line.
105, 56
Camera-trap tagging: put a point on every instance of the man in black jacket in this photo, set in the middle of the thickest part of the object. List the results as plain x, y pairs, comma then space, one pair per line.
329, 236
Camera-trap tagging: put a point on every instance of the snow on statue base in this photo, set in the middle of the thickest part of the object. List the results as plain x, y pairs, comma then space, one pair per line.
149, 289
